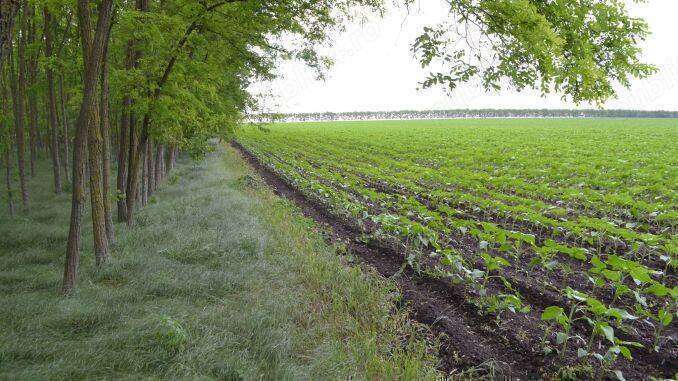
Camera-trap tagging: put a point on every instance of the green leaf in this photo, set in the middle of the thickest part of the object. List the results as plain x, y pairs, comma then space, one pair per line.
625, 352
597, 281
574, 294
596, 306
631, 343
608, 332
477, 274
616, 262
597, 263
640, 275
502, 261
552, 312
578, 253
619, 314
657, 289
640, 299
614, 276
665, 317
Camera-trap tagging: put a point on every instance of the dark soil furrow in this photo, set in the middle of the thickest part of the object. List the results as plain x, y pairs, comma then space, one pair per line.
467, 339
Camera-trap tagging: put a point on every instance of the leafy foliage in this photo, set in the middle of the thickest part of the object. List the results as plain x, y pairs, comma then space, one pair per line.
578, 48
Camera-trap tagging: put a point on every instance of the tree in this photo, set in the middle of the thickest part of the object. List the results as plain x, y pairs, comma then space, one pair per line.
8, 11
6, 144
105, 131
236, 41
31, 64
52, 111
18, 87
93, 48
579, 48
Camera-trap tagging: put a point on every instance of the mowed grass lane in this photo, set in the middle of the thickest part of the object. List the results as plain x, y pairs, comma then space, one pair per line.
218, 280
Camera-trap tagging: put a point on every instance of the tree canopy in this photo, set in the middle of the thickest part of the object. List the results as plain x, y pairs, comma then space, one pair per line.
578, 48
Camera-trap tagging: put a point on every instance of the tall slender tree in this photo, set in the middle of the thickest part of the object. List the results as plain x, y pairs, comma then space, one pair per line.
65, 136
105, 131
137, 142
31, 64
18, 86
8, 11
124, 145
52, 107
93, 47
6, 143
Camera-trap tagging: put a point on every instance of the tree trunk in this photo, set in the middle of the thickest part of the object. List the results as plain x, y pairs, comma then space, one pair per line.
95, 146
106, 146
8, 11
135, 164
150, 171
137, 142
32, 69
140, 188
123, 149
134, 160
95, 151
133, 169
176, 156
8, 179
125, 142
168, 160
163, 162
134, 157
66, 139
145, 176
92, 51
18, 92
159, 165
7, 153
52, 112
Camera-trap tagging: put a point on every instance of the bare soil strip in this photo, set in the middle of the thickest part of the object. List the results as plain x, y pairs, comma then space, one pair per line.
469, 340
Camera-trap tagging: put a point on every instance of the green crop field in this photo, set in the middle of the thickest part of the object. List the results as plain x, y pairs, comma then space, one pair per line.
562, 230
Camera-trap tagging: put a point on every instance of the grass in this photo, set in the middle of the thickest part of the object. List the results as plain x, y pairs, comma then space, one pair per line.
219, 280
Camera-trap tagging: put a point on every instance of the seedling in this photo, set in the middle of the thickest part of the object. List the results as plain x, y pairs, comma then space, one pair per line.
564, 321
491, 264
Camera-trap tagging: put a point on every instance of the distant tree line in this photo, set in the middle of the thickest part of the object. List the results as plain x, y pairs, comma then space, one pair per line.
469, 113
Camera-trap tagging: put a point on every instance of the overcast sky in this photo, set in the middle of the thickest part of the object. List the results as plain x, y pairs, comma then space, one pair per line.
375, 70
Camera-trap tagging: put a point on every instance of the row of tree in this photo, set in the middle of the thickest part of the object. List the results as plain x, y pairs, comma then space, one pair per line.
112, 90
469, 113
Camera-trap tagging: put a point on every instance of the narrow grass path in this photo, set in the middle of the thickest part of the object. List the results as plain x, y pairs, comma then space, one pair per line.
219, 280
